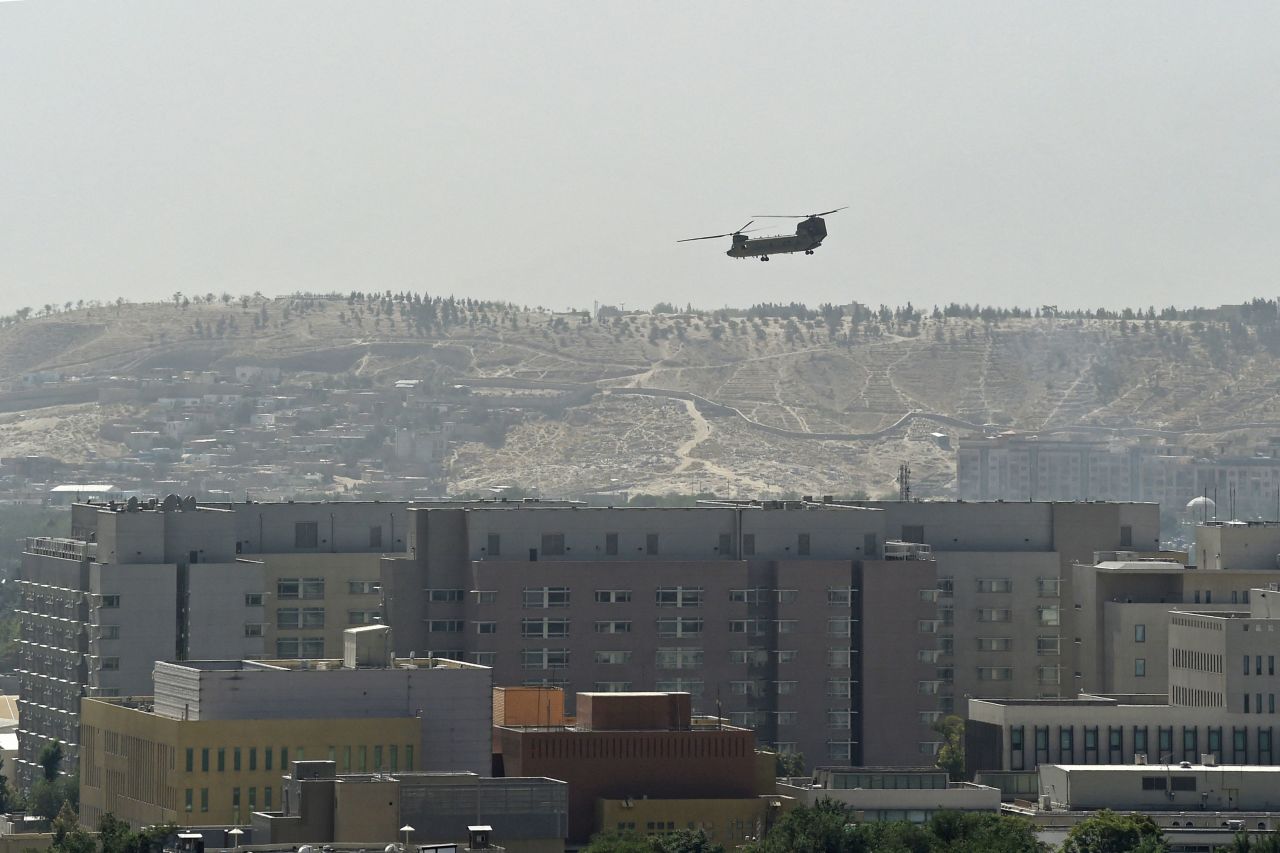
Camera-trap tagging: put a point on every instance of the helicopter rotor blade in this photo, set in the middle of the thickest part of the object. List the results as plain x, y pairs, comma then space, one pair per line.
798, 216
742, 230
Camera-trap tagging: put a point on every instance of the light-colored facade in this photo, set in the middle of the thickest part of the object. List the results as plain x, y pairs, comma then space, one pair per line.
1177, 786
205, 743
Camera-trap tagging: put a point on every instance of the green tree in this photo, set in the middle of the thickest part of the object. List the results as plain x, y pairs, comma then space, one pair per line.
50, 759
613, 841
1108, 832
827, 827
788, 764
68, 837
951, 754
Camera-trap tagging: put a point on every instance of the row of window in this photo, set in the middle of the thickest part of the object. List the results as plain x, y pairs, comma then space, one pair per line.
837, 718
667, 658
675, 596
1045, 644
1114, 752
313, 617
553, 545
1045, 587
670, 627
267, 791
352, 758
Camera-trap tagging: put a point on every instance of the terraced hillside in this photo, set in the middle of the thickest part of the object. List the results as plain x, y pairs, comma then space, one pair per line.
725, 402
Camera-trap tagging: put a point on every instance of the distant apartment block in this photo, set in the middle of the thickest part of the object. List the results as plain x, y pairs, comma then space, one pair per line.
1021, 469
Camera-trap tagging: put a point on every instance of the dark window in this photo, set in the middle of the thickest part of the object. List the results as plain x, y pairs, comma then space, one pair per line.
375, 536
191, 760
1042, 744
651, 544
553, 544
802, 545
1139, 740
1091, 745
1165, 743
611, 544
1240, 745
193, 557
1015, 747
306, 534
1115, 744
1264, 745
494, 547
1066, 744
1182, 783
1190, 743
748, 544
913, 533
870, 548
1215, 741
1126, 536
1153, 783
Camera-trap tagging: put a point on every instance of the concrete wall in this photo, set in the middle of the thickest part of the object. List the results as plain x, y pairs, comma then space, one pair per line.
217, 607
1223, 787
146, 619
342, 526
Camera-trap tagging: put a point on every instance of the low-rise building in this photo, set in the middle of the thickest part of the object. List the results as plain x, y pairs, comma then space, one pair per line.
632, 746
213, 742
913, 794
321, 806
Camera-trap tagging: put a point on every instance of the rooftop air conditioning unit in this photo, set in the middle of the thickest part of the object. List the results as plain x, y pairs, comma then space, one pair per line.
1209, 759
1046, 803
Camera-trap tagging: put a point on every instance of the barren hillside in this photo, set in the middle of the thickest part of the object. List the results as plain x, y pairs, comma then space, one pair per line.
721, 402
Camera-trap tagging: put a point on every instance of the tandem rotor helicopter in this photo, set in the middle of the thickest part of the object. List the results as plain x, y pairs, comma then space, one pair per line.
809, 235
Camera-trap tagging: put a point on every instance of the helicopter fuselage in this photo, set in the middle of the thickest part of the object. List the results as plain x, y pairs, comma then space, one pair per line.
809, 235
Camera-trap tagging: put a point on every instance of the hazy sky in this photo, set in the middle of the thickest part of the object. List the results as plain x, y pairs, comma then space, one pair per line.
552, 153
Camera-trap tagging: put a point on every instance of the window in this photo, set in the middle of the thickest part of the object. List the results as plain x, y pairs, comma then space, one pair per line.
838, 719
363, 587
787, 718
313, 617
748, 544
313, 587
1139, 633
544, 658
1140, 740
613, 596
235, 759
253, 758
546, 596
612, 687
753, 657
1048, 587
839, 687
611, 544
995, 585
692, 686
946, 586
486, 627
546, 627
253, 629
614, 627
788, 596
110, 663
1048, 645
486, 596
445, 626
680, 626
678, 596
1246, 664
188, 799
204, 760
288, 617
787, 655
788, 626
222, 759
754, 627
1153, 783
786, 688
1048, 675
445, 596
995, 673
253, 599
802, 545
493, 545
743, 596
1049, 615
553, 544
191, 760
110, 601
651, 544
375, 536
725, 547
311, 647
204, 799
611, 658
1126, 536
839, 597
1066, 744
484, 658
999, 614
306, 534
995, 644
1140, 667
838, 627
678, 658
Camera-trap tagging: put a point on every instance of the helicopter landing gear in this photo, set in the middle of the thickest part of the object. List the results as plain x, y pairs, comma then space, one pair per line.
808, 251
764, 257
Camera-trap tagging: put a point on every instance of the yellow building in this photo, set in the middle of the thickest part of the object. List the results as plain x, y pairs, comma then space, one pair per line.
147, 768
312, 598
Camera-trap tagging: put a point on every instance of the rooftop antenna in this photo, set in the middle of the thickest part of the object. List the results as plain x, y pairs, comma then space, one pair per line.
904, 482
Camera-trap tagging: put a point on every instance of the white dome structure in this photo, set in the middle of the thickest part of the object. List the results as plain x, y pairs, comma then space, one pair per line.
1201, 504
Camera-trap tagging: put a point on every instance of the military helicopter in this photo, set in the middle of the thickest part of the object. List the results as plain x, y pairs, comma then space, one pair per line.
809, 235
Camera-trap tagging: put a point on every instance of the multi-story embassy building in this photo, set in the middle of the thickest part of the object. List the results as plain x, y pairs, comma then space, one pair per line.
139, 582
797, 619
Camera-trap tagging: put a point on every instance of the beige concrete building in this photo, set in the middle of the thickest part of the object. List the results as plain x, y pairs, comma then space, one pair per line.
321, 806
